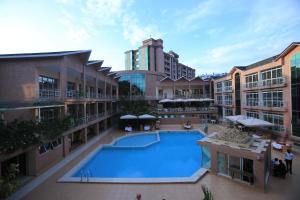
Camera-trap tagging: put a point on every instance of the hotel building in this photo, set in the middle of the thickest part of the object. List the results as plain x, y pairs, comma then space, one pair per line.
151, 57
176, 101
55, 85
268, 89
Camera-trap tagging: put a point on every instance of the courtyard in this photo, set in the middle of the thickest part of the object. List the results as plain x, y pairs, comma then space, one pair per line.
221, 187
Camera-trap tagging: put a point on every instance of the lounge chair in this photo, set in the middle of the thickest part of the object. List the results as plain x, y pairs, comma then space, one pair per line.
128, 128
277, 146
147, 127
187, 126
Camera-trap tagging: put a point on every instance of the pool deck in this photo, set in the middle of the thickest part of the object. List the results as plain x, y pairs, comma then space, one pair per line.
222, 188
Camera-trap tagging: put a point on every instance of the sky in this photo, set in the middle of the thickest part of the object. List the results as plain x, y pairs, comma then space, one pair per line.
211, 36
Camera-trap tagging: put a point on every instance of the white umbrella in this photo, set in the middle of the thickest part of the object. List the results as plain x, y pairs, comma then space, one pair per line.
235, 118
146, 116
128, 117
165, 101
253, 122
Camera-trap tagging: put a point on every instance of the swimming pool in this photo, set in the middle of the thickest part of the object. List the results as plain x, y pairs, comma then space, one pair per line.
164, 156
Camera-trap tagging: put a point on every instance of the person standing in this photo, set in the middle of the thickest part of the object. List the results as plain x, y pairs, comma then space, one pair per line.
288, 157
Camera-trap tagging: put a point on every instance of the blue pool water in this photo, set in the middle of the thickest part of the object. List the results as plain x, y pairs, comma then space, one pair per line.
138, 140
177, 154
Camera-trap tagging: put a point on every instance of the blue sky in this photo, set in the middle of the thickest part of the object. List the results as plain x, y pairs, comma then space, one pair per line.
209, 35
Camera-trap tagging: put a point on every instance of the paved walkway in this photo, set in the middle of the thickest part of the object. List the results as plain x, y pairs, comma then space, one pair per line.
222, 188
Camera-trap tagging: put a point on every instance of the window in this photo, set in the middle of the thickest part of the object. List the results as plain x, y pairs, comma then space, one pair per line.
49, 114
219, 99
228, 99
228, 112
272, 76
47, 83
252, 99
276, 119
253, 114
273, 99
228, 85
252, 80
219, 87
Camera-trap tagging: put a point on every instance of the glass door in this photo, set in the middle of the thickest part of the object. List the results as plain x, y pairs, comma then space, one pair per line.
223, 164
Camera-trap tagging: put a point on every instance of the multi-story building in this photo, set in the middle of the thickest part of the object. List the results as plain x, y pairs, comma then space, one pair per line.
46, 86
184, 100
151, 57
267, 89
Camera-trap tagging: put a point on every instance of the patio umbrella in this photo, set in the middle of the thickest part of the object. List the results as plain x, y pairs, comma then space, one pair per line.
146, 116
253, 122
128, 117
165, 101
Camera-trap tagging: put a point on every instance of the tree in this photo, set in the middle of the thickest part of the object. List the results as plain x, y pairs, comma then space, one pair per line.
207, 193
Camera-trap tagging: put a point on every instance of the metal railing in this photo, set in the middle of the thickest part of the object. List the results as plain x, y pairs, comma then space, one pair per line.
266, 82
269, 103
186, 109
49, 94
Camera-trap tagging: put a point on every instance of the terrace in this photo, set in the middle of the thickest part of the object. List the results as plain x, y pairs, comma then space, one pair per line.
221, 187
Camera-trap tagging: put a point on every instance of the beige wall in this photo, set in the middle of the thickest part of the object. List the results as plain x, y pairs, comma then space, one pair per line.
283, 61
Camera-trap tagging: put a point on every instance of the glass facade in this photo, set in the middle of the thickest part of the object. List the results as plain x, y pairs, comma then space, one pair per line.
132, 84
295, 85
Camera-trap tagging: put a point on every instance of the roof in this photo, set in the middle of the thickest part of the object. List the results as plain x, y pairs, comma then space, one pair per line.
288, 49
84, 53
262, 62
103, 69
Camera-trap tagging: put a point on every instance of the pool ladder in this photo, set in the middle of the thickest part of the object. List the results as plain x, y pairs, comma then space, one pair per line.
85, 174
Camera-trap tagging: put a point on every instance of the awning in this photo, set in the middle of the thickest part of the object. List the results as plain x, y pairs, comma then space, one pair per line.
165, 101
128, 117
235, 118
253, 122
146, 116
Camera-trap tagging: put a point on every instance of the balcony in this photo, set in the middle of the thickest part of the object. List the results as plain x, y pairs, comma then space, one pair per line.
267, 83
227, 89
73, 94
45, 94
187, 110
275, 105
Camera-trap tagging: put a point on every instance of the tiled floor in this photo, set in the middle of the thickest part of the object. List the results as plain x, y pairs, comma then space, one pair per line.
222, 188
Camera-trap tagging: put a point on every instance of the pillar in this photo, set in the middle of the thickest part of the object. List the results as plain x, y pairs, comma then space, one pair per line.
66, 145
63, 82
85, 131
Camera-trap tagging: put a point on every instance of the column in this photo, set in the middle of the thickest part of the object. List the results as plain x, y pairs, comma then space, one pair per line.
96, 87
63, 82
84, 110
104, 88
85, 135
66, 145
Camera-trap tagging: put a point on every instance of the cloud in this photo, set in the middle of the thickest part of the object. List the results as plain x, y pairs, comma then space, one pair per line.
268, 16
106, 12
191, 19
135, 33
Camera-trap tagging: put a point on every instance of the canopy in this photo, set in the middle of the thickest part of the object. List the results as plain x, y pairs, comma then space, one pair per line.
165, 101
235, 118
146, 116
128, 117
253, 122
185, 100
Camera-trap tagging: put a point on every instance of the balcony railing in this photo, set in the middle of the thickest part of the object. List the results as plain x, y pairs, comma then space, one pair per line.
73, 94
266, 83
227, 89
91, 117
186, 109
49, 94
266, 103
219, 89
